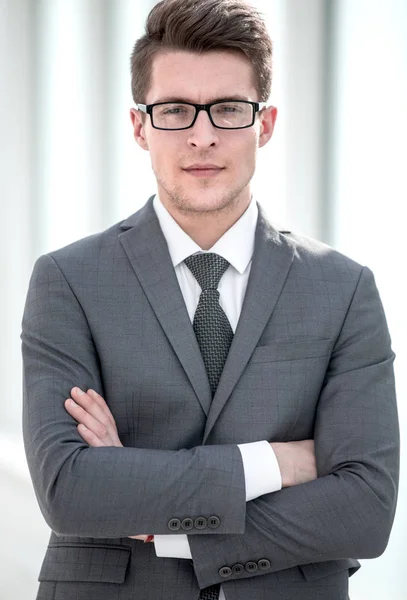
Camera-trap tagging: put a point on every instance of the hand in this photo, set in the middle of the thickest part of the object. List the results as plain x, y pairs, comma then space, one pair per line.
96, 423
296, 461
145, 538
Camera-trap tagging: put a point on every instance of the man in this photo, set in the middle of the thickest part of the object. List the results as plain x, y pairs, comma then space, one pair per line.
180, 367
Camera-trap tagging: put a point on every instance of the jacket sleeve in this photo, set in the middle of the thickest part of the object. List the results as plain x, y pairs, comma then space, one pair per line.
105, 492
348, 511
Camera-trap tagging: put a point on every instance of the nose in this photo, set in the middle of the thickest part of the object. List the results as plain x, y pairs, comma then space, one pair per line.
203, 133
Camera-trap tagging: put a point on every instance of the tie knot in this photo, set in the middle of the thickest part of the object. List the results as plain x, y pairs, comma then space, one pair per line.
207, 268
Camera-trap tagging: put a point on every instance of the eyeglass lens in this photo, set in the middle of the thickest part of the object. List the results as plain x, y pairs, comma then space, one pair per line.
224, 114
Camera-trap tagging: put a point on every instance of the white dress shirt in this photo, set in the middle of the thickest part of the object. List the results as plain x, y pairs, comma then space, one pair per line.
261, 470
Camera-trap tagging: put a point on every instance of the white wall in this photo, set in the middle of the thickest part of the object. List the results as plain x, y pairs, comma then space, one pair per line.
16, 210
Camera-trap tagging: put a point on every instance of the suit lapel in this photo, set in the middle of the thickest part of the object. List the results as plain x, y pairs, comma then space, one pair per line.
272, 258
147, 251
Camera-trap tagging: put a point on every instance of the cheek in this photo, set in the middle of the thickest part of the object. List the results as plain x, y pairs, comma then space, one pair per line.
164, 155
159, 159
245, 151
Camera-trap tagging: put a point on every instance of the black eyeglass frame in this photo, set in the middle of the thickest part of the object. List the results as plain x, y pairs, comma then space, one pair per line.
148, 109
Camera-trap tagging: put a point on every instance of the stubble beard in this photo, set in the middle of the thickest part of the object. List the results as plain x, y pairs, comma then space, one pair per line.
222, 203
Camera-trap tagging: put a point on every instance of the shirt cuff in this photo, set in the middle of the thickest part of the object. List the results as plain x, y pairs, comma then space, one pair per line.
172, 546
261, 470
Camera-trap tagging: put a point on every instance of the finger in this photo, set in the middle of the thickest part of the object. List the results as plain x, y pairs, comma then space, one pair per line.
95, 404
89, 437
84, 418
89, 404
102, 403
106, 432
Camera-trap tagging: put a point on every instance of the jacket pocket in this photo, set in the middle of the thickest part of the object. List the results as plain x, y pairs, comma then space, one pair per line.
324, 569
292, 350
92, 563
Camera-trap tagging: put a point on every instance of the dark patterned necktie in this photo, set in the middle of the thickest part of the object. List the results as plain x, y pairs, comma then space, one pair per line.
210, 593
213, 332
212, 328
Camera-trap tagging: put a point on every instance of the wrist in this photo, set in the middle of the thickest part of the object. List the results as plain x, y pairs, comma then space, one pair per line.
284, 463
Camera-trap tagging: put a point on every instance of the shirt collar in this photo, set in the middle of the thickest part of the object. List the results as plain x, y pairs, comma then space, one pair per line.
236, 245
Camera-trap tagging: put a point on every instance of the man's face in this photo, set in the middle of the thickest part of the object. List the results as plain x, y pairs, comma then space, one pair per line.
202, 79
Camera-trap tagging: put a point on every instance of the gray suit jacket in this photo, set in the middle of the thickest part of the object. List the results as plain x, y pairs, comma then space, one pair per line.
311, 358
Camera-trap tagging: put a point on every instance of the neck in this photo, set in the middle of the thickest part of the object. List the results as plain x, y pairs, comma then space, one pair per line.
206, 228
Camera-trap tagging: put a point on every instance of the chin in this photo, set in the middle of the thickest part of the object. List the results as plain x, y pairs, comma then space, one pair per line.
202, 196
204, 202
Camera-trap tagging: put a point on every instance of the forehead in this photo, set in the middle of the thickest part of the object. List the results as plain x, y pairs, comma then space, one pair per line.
201, 77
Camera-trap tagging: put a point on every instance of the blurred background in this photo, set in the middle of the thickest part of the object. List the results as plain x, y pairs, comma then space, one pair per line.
335, 170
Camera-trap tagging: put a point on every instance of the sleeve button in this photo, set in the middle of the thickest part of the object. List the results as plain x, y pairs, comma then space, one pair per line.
187, 524
200, 523
238, 569
174, 524
264, 564
225, 572
251, 566
213, 522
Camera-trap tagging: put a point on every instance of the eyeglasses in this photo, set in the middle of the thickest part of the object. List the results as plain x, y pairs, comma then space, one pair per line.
233, 114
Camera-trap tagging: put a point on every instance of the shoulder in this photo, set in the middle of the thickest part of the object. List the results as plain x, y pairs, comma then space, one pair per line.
318, 268
89, 246
98, 249
318, 260
310, 255
312, 250
105, 245
101, 251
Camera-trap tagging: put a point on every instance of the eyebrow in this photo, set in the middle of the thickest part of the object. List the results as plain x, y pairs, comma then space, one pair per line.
228, 98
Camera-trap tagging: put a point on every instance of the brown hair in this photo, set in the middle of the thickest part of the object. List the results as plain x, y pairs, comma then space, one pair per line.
203, 26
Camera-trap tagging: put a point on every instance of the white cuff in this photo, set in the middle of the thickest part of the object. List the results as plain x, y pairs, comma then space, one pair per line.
172, 546
261, 470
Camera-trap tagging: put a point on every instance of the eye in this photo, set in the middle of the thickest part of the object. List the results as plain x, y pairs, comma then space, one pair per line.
228, 108
176, 110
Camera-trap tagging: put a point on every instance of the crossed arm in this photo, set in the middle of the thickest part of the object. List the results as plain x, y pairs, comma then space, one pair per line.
346, 512
97, 427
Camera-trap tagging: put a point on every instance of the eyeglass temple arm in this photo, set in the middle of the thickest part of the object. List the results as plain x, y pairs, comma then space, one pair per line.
142, 107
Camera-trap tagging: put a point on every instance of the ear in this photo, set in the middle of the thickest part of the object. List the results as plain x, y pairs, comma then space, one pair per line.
138, 128
268, 118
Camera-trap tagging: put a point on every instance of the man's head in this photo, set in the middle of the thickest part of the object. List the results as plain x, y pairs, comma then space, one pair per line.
201, 51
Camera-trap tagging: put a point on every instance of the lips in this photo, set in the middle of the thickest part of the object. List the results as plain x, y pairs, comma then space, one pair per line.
207, 171
203, 168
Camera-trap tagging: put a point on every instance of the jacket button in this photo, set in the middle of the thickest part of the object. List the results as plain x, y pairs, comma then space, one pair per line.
213, 522
200, 523
238, 569
251, 566
264, 564
225, 572
187, 524
174, 524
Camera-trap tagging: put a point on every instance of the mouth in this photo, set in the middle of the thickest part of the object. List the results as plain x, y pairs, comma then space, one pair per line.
204, 171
